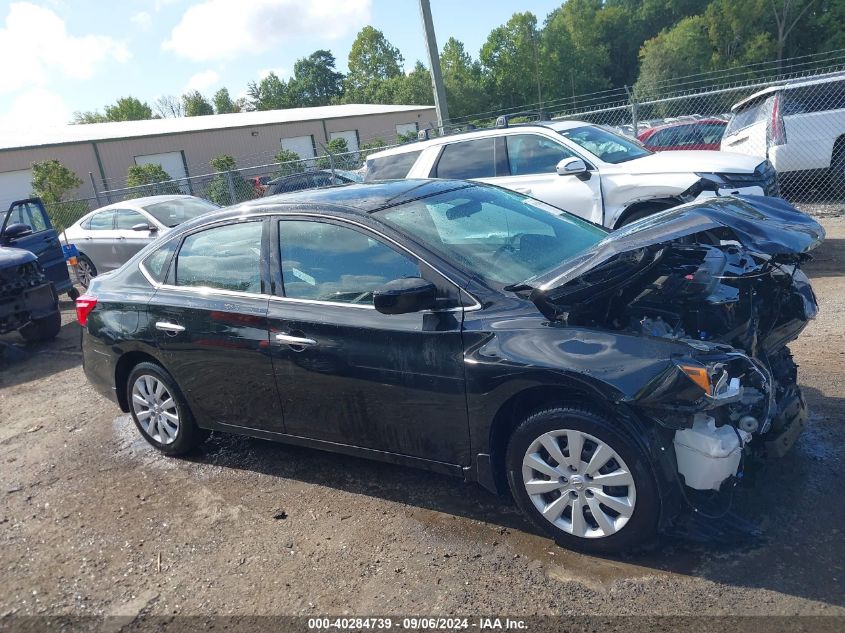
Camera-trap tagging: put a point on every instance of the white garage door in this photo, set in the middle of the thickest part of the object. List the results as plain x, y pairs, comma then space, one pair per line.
350, 136
302, 145
14, 185
406, 128
171, 162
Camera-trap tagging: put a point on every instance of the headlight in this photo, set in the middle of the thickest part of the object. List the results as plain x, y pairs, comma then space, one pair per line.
716, 179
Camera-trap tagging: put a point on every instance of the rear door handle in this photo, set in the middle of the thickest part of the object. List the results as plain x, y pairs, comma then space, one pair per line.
287, 339
164, 326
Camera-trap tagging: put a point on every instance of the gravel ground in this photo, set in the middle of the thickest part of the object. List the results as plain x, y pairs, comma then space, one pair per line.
94, 522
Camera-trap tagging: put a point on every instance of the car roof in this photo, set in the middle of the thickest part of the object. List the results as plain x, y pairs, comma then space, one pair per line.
142, 202
415, 146
795, 83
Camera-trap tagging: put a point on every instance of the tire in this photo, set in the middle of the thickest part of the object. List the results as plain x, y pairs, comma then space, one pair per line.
837, 169
73, 294
640, 213
630, 519
85, 270
42, 329
161, 414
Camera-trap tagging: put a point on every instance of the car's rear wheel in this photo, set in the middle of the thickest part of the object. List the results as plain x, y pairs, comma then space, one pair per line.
160, 412
582, 480
85, 270
42, 329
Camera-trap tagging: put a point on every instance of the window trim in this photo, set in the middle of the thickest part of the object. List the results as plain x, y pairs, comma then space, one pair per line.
275, 264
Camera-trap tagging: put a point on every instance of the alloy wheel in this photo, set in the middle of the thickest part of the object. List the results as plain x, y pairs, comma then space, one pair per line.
155, 409
84, 272
579, 483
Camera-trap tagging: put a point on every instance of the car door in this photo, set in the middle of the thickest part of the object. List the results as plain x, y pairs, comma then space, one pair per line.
98, 239
348, 374
210, 326
532, 160
43, 242
129, 241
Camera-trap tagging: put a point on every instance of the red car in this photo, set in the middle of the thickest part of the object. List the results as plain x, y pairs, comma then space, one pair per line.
701, 134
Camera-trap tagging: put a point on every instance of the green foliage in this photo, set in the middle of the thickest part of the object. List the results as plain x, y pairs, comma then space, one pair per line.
315, 80
195, 104
462, 79
223, 103
415, 88
511, 62
373, 146
219, 190
338, 148
271, 93
51, 181
373, 60
289, 163
124, 109
63, 214
150, 180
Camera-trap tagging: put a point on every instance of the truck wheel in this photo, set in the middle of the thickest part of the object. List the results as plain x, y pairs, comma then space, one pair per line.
85, 270
641, 212
42, 329
580, 478
837, 169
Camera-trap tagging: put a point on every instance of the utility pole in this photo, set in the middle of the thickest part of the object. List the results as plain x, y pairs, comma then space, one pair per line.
434, 66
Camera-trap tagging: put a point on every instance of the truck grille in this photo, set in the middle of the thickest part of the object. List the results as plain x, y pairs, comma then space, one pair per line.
15, 279
764, 177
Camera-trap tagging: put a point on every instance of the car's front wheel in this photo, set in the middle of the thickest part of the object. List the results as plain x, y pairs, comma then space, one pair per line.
583, 480
42, 329
160, 412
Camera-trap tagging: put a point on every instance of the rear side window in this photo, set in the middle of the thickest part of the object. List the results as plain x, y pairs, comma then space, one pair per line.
101, 221
157, 263
225, 257
468, 159
749, 114
393, 167
816, 98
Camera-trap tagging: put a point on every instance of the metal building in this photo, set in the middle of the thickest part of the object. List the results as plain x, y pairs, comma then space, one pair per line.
184, 146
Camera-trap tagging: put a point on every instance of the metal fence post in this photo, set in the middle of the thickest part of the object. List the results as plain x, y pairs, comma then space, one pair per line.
231, 184
94, 186
634, 110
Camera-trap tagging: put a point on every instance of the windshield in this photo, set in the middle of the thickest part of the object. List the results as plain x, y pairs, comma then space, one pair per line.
180, 210
605, 145
497, 235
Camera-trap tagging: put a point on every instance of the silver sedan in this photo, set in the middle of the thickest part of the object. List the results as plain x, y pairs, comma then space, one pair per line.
109, 236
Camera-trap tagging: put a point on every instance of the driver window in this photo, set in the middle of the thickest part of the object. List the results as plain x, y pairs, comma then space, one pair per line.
28, 214
533, 154
327, 262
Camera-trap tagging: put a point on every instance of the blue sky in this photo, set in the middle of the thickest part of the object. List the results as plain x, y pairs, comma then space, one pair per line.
60, 56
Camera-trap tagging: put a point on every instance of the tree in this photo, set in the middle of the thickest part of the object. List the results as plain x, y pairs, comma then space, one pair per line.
128, 109
228, 186
168, 107
316, 80
338, 149
150, 180
51, 181
511, 62
372, 61
371, 147
462, 79
788, 14
90, 116
415, 88
195, 104
223, 103
289, 163
271, 93
683, 50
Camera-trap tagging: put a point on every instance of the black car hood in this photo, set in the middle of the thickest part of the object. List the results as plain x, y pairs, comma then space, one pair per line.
770, 226
15, 257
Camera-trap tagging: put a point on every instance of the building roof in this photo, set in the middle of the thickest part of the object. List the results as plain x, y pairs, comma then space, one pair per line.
41, 136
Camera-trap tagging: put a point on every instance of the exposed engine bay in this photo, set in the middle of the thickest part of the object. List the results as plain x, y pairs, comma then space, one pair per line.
736, 301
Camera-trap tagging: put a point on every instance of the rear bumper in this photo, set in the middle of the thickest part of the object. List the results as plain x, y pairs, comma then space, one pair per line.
33, 303
98, 363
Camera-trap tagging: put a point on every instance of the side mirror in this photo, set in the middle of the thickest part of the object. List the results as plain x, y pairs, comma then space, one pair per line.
571, 167
152, 228
16, 231
403, 296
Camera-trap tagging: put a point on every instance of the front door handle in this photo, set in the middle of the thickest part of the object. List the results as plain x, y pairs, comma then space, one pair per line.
174, 328
287, 339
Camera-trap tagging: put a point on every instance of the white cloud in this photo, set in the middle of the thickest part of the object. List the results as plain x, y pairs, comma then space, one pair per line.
142, 20
223, 29
36, 107
202, 81
34, 43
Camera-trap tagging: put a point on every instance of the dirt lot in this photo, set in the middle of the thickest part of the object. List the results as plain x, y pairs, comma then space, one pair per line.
93, 521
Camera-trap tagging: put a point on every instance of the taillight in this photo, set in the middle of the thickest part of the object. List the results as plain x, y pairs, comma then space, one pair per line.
777, 132
84, 305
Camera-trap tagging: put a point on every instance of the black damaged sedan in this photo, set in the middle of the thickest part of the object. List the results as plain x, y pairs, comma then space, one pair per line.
610, 381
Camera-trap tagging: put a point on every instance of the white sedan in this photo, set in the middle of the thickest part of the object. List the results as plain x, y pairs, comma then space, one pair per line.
109, 236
